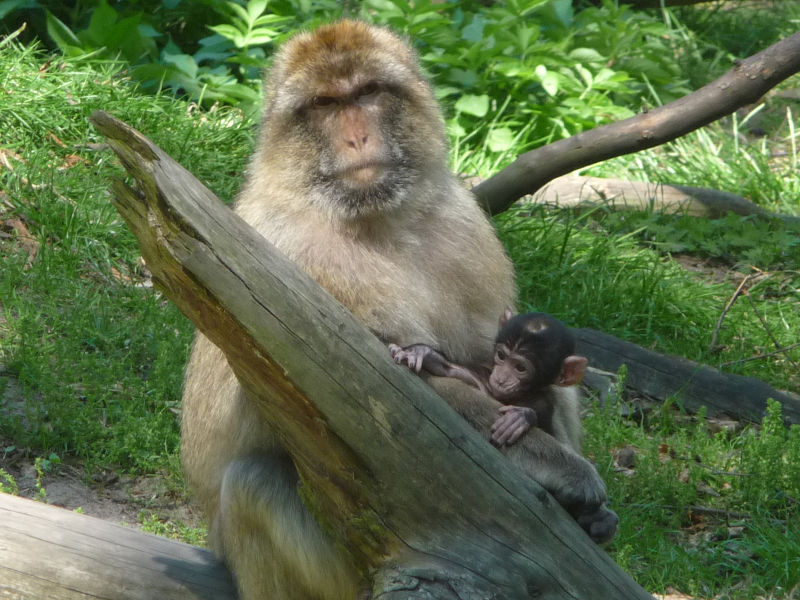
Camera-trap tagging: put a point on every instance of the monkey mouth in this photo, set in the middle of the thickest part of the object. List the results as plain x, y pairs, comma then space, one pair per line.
500, 392
363, 174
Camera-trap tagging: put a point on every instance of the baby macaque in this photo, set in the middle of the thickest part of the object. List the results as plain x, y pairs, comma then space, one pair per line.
534, 363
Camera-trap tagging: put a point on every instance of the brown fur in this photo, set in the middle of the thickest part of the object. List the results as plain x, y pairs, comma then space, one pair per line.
419, 264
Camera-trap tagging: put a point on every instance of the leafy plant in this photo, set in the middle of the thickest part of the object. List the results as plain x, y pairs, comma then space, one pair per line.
8, 484
526, 72
771, 458
541, 68
42, 466
107, 32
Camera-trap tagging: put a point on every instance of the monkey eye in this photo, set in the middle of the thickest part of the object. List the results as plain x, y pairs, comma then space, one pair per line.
519, 368
323, 101
500, 354
367, 90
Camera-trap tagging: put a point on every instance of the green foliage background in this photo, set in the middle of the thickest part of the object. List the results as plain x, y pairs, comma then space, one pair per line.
98, 354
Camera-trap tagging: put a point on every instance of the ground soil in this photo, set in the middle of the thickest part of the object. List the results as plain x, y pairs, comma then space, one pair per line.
104, 494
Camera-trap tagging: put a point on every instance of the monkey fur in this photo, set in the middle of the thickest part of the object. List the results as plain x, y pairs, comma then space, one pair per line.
533, 360
350, 180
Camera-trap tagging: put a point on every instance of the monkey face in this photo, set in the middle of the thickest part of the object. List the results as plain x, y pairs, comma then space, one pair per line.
362, 113
513, 374
363, 165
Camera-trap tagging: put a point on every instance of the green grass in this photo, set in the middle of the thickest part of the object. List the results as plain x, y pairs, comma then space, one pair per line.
598, 271
742, 542
99, 354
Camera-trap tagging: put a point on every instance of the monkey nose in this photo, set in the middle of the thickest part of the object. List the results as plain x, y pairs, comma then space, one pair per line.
358, 143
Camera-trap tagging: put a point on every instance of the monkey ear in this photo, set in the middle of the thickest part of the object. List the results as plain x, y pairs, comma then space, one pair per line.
506, 316
572, 370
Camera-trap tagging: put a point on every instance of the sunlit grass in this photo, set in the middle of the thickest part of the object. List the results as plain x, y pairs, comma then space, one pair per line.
100, 355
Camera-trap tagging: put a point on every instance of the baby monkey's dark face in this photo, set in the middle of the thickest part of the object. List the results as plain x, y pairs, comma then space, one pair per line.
532, 351
513, 373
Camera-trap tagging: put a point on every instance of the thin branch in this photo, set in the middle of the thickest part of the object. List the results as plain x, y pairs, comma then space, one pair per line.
760, 356
748, 81
725, 310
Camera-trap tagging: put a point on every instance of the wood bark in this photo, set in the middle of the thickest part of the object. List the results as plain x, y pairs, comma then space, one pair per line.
573, 191
51, 553
742, 85
422, 503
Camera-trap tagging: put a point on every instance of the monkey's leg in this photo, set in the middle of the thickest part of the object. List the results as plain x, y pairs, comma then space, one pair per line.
269, 539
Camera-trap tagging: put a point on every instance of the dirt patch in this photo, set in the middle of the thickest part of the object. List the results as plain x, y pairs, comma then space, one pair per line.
116, 498
105, 495
712, 269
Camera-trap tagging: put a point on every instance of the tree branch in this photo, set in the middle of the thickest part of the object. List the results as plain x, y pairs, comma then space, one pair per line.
744, 84
575, 191
424, 505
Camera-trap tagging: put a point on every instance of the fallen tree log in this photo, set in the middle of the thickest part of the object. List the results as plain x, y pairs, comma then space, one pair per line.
395, 475
575, 191
50, 552
694, 385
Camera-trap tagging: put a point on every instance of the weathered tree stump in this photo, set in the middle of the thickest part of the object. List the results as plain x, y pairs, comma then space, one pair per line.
426, 507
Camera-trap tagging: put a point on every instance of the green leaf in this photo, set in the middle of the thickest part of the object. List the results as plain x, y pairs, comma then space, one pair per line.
255, 8
147, 30
270, 19
474, 31
500, 139
183, 62
585, 74
585, 55
454, 129
563, 10
61, 34
548, 79
243, 14
260, 36
467, 79
101, 25
229, 32
442, 91
477, 106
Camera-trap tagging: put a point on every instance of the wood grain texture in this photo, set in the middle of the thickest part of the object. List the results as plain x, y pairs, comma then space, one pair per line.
574, 191
396, 477
51, 553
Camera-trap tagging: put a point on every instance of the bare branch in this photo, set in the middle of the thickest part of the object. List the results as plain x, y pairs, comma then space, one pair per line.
744, 84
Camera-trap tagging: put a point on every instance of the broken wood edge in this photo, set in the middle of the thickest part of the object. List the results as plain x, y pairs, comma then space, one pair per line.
279, 330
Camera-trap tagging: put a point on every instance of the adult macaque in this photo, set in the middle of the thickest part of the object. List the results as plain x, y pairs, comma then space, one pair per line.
535, 368
350, 180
